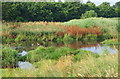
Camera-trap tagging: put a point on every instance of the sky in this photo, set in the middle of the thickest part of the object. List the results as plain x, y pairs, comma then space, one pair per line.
98, 2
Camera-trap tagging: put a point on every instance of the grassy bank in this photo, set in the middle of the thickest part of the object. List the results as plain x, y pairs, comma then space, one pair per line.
61, 61
108, 25
90, 29
104, 66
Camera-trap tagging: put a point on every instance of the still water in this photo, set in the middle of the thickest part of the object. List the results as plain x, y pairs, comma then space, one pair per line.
101, 49
95, 48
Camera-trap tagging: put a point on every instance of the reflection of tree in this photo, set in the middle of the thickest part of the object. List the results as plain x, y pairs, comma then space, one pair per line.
78, 45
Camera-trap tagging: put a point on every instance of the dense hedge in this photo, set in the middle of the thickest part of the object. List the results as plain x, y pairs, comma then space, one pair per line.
52, 11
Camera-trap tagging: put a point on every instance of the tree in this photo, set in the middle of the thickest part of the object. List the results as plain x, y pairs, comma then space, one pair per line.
117, 8
89, 14
117, 4
91, 6
88, 1
105, 10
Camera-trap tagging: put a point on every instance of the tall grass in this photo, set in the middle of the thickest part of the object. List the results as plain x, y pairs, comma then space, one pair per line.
38, 27
103, 66
108, 25
46, 31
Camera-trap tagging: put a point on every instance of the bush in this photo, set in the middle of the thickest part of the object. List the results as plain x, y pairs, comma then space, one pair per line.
9, 57
89, 14
39, 54
47, 53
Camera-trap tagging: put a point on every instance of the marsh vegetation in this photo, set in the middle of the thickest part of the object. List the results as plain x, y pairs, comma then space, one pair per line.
66, 48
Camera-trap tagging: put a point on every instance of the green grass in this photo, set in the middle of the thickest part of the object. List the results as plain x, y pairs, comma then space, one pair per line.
45, 31
42, 53
63, 62
107, 22
111, 41
108, 25
103, 66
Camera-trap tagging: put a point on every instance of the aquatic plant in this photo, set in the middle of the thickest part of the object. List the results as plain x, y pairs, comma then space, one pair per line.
67, 38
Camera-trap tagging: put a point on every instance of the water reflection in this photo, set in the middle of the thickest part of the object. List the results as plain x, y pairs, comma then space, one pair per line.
95, 47
101, 49
25, 65
91, 46
22, 53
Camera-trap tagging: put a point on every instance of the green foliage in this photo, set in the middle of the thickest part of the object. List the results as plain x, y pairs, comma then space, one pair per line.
46, 53
104, 37
108, 25
42, 53
90, 37
6, 40
43, 11
102, 66
20, 37
110, 41
105, 10
82, 54
89, 14
67, 38
9, 57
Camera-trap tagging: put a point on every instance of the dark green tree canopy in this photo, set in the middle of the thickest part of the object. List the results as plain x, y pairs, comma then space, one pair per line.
105, 10
54, 11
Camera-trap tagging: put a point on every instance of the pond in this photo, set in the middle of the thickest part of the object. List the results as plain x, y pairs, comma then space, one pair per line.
93, 47
27, 46
96, 47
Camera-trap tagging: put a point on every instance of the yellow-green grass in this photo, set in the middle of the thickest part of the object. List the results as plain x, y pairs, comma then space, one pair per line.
33, 27
103, 66
108, 25
111, 41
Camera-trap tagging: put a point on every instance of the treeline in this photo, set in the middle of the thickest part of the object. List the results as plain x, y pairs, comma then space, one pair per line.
54, 11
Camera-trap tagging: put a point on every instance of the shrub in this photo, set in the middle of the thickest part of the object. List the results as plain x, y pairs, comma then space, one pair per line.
47, 53
89, 14
39, 54
9, 57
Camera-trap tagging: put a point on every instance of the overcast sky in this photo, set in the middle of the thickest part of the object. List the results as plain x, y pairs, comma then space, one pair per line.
98, 2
